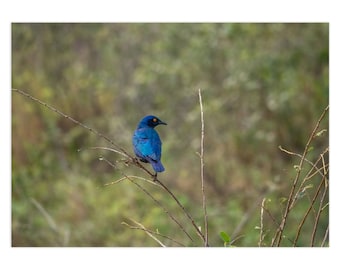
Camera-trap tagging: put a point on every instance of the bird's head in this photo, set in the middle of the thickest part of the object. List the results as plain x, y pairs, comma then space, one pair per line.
150, 121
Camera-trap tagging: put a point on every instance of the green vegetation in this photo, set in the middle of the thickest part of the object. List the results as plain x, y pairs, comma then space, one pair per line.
263, 86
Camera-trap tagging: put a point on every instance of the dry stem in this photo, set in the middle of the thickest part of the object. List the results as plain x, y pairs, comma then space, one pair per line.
278, 235
204, 204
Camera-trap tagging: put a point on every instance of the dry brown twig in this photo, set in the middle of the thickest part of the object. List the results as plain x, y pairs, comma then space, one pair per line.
261, 223
276, 240
148, 194
204, 204
151, 233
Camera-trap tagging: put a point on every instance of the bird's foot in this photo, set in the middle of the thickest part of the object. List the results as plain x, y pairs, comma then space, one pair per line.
155, 177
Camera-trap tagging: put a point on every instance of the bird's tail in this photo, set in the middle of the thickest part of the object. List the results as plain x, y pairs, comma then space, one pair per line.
157, 166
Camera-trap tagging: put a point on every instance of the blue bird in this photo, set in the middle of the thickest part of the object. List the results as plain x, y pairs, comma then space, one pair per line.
147, 144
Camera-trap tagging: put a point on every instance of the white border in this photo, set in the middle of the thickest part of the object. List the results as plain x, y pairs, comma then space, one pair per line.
164, 11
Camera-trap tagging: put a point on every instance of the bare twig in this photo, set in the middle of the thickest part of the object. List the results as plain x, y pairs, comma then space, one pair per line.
325, 237
130, 176
105, 148
202, 173
149, 194
72, 120
118, 149
310, 175
271, 216
323, 171
198, 231
261, 222
307, 212
151, 233
156, 180
148, 232
278, 235
317, 170
245, 218
319, 211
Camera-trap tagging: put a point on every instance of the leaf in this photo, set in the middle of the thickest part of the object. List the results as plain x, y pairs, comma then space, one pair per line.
303, 191
297, 167
320, 132
310, 148
283, 200
225, 237
307, 187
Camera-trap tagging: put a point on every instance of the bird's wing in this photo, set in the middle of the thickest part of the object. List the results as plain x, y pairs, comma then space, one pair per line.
147, 143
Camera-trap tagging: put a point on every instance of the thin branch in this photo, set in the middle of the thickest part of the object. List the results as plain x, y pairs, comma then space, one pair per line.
325, 169
163, 208
278, 235
198, 231
261, 222
202, 172
319, 212
130, 176
151, 233
148, 232
307, 212
308, 161
116, 181
245, 218
271, 216
105, 148
71, 119
325, 237
309, 175
120, 150
149, 194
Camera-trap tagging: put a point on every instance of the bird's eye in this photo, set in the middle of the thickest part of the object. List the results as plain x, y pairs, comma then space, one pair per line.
154, 120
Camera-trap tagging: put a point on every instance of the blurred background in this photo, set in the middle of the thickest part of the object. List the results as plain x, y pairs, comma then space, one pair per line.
263, 86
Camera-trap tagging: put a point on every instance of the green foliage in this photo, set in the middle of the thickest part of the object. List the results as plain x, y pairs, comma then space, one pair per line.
263, 85
226, 238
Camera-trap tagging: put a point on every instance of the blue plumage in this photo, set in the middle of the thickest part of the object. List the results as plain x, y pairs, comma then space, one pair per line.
146, 142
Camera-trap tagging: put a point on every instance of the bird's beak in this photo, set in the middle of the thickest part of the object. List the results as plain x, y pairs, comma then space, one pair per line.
161, 123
